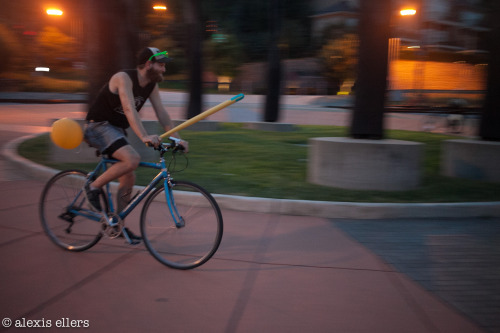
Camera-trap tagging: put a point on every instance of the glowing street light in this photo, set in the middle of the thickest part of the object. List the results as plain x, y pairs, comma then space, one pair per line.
160, 7
54, 12
408, 12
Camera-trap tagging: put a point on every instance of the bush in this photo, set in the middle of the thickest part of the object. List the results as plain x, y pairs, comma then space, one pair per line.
9, 48
45, 84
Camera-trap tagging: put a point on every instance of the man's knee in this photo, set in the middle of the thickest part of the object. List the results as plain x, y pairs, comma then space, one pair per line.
134, 161
128, 156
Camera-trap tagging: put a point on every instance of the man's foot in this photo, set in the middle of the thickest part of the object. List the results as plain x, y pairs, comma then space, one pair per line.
134, 239
92, 196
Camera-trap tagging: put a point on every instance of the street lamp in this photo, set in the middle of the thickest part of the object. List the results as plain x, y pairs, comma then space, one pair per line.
160, 7
408, 12
54, 12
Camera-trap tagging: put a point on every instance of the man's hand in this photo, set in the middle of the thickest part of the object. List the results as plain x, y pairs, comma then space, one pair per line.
180, 143
185, 145
152, 140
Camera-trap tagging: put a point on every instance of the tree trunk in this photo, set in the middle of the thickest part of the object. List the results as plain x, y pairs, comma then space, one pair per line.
368, 114
111, 28
271, 111
490, 121
194, 27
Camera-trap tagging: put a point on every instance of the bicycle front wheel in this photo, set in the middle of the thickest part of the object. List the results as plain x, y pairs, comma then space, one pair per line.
185, 233
65, 212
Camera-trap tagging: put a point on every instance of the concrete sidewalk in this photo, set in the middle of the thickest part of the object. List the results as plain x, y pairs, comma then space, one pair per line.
272, 273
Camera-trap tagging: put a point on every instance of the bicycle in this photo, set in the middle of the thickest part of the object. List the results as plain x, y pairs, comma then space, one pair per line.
181, 223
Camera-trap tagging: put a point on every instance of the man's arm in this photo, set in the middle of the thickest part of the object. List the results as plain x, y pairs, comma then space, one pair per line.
122, 84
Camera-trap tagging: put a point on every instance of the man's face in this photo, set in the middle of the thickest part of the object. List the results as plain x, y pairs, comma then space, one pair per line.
155, 72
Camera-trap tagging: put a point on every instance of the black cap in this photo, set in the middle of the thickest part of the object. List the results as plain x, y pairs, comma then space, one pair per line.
153, 54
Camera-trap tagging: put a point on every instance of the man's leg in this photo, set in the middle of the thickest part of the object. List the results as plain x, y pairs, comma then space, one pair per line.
128, 161
127, 182
124, 193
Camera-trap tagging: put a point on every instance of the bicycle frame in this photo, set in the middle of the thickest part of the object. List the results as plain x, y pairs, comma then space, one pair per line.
163, 175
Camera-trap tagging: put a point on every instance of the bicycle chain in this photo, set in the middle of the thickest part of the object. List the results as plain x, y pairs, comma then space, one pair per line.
115, 230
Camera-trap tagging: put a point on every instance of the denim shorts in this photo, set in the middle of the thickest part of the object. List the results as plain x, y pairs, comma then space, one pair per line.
105, 137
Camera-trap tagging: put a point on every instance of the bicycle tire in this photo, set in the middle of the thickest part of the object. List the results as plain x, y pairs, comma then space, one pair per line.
193, 244
69, 231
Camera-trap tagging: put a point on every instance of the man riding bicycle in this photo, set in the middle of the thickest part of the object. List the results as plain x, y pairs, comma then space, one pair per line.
115, 109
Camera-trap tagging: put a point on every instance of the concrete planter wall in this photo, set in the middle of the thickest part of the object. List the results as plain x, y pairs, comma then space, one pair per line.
386, 165
471, 159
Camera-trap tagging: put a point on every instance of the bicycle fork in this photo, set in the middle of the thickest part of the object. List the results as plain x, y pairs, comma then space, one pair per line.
169, 197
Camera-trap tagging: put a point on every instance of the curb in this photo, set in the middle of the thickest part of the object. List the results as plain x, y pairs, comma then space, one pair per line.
42, 101
323, 209
42, 98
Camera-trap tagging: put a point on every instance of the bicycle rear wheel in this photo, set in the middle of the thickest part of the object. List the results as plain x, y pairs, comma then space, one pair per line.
196, 240
63, 210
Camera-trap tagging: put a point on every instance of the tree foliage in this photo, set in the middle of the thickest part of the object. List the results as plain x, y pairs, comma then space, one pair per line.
340, 58
57, 48
224, 56
10, 49
249, 22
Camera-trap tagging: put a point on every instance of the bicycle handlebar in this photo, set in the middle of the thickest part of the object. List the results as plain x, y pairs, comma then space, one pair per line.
174, 144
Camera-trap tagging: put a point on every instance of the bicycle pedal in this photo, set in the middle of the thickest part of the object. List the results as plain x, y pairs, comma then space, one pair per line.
133, 242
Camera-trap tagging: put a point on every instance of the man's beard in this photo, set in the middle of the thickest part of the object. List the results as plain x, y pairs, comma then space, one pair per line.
154, 76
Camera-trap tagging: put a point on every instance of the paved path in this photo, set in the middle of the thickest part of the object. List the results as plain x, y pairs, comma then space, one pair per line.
456, 259
272, 273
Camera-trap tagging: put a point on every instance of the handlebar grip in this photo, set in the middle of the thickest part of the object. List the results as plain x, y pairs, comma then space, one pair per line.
175, 145
179, 147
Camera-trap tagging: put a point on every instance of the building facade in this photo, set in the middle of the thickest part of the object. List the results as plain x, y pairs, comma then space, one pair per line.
447, 25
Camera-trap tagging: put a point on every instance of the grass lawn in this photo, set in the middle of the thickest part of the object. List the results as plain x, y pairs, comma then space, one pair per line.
237, 161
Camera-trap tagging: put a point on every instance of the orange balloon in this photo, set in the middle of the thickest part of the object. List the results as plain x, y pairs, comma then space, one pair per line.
66, 133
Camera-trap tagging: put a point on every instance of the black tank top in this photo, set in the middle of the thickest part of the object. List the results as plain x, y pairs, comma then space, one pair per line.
107, 105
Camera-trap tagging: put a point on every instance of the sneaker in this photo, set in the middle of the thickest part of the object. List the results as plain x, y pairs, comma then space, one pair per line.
93, 198
133, 237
